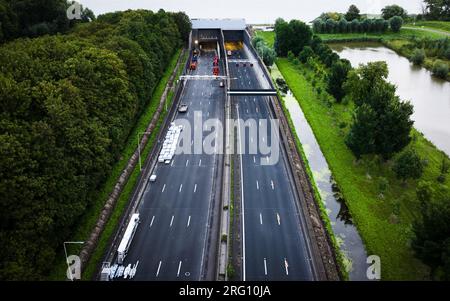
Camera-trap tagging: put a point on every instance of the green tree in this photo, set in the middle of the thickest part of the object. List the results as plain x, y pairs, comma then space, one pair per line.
331, 26
440, 69
389, 129
336, 78
424, 193
393, 10
432, 237
396, 23
343, 25
438, 9
361, 139
408, 166
306, 53
418, 56
352, 13
301, 35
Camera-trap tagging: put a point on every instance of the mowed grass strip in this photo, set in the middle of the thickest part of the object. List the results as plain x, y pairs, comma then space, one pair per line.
359, 181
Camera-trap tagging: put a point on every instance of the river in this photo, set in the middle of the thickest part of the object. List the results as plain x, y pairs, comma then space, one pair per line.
429, 95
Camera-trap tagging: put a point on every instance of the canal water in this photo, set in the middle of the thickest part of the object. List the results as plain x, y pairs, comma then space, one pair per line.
345, 232
429, 95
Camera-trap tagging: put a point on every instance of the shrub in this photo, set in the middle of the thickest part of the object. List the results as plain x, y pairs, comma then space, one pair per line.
440, 69
418, 56
306, 53
396, 23
408, 166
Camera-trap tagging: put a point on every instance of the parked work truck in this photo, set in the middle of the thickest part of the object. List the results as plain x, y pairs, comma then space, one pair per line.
127, 238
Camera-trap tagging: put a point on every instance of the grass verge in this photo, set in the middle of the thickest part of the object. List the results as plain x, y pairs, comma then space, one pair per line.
89, 219
324, 215
384, 234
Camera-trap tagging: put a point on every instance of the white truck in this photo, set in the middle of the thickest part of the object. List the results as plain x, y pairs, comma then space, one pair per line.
127, 238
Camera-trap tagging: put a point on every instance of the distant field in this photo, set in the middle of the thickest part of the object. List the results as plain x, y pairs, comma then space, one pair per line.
268, 36
405, 33
439, 25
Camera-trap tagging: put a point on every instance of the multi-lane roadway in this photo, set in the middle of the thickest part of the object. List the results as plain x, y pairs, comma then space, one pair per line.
274, 244
172, 241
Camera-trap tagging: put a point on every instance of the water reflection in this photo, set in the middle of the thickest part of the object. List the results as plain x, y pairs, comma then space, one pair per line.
429, 95
341, 221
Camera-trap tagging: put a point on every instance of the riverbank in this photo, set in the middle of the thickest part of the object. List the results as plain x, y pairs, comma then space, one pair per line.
384, 223
402, 42
88, 220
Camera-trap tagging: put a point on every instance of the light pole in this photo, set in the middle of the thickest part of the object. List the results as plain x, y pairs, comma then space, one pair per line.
139, 147
65, 252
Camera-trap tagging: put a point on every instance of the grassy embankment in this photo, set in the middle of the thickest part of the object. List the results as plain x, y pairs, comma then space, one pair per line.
383, 233
435, 25
401, 42
87, 222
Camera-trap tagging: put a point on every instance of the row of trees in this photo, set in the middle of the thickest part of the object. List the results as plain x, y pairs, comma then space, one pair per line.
267, 53
68, 105
31, 18
355, 26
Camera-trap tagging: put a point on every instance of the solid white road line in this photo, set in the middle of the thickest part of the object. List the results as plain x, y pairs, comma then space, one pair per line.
265, 267
187, 162
286, 266
278, 219
273, 186
171, 221
179, 268
164, 188
151, 223
195, 188
242, 203
159, 267
181, 187
189, 221
260, 218
257, 185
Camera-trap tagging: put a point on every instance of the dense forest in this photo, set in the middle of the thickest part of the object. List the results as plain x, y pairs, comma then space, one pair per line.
67, 105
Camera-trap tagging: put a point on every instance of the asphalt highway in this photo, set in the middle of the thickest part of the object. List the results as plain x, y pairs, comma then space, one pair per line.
171, 240
274, 243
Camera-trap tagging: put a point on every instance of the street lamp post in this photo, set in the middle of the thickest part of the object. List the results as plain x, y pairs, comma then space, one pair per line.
65, 252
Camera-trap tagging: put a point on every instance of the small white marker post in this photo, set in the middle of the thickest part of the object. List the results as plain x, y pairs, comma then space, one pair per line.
159, 267
179, 269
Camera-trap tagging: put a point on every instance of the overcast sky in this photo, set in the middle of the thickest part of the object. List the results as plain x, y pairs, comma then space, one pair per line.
254, 11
